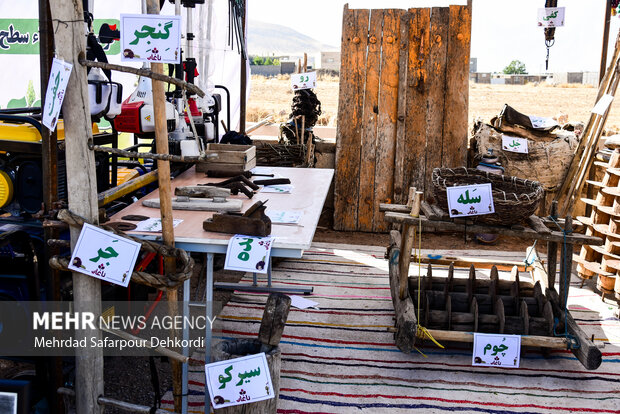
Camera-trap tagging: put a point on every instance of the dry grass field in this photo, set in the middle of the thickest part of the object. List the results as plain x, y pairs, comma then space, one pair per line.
274, 95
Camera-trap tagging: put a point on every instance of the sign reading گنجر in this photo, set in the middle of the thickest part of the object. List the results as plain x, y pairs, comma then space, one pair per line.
55, 94
514, 144
303, 81
495, 350
551, 17
104, 255
150, 38
470, 200
248, 253
239, 381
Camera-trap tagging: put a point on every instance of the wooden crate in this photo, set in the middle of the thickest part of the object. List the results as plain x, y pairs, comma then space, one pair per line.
232, 158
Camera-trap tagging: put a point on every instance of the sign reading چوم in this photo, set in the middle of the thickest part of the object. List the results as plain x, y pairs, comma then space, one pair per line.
55, 94
514, 144
239, 381
248, 253
150, 38
303, 81
104, 255
470, 200
495, 350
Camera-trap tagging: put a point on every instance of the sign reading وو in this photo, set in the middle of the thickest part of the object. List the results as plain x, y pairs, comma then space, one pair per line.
303, 81
150, 38
239, 381
551, 17
514, 144
470, 200
104, 255
55, 94
494, 350
248, 253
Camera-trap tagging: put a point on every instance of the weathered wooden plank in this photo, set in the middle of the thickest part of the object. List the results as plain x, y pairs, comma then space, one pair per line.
436, 95
526, 233
417, 72
454, 144
388, 113
274, 319
400, 192
368, 148
352, 77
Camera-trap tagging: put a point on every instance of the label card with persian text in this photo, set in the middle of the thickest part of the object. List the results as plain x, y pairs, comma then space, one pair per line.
496, 350
248, 253
104, 255
551, 17
239, 381
303, 80
55, 94
470, 200
514, 144
150, 38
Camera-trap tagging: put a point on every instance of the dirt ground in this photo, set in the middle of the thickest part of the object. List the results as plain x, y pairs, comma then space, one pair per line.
274, 95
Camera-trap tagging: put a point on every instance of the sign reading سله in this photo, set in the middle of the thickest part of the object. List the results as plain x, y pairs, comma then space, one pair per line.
470, 200
150, 38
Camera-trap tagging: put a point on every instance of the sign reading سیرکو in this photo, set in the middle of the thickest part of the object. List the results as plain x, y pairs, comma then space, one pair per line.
496, 350
55, 94
303, 81
239, 381
514, 144
470, 200
248, 253
104, 255
551, 17
150, 38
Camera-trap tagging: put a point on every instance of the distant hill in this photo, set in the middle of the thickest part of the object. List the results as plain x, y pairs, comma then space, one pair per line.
266, 39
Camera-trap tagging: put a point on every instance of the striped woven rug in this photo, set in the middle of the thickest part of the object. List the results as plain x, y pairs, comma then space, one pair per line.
341, 358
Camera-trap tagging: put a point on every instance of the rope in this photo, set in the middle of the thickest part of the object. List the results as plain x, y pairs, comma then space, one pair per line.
574, 342
168, 281
151, 156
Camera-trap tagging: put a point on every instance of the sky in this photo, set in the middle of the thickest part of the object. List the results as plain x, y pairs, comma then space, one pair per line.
502, 30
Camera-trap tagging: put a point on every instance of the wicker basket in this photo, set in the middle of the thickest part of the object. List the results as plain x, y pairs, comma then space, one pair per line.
514, 199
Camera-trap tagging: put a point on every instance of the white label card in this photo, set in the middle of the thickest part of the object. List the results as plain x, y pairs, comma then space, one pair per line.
55, 94
249, 253
470, 200
495, 350
150, 38
239, 381
104, 255
601, 106
514, 144
303, 80
551, 17
284, 217
540, 122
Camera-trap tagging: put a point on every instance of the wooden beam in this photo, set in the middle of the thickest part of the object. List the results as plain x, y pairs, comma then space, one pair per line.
165, 197
526, 233
526, 340
71, 43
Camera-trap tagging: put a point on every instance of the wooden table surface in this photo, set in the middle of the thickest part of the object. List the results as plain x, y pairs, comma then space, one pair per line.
308, 196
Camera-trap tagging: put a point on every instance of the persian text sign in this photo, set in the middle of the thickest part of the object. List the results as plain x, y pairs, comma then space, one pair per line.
470, 200
248, 253
303, 80
104, 255
493, 350
239, 381
150, 38
551, 17
55, 94
514, 144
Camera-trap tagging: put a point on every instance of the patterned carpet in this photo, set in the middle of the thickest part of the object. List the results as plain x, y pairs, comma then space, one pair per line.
341, 358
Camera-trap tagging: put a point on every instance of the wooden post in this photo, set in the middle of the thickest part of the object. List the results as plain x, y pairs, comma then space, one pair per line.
601, 73
244, 75
70, 44
274, 319
552, 251
566, 266
407, 244
165, 197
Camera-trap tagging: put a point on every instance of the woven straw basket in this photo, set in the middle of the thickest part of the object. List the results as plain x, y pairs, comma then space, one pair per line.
514, 199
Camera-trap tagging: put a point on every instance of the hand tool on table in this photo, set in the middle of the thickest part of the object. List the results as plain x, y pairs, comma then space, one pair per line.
200, 198
254, 222
236, 184
223, 174
272, 181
